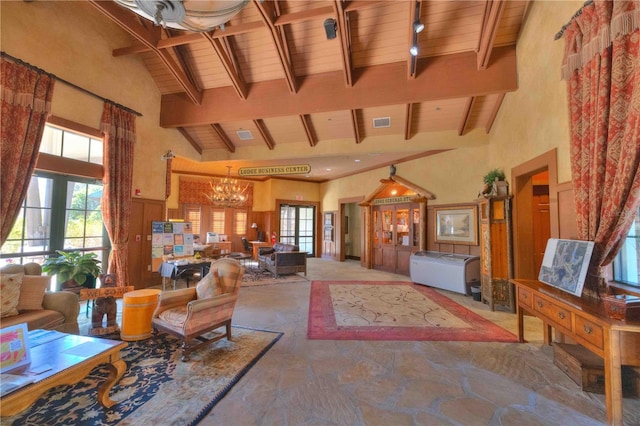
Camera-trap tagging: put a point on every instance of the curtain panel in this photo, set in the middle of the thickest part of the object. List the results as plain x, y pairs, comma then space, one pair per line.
26, 105
602, 66
118, 127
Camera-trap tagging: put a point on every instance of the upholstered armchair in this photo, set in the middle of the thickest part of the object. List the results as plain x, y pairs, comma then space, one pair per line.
192, 312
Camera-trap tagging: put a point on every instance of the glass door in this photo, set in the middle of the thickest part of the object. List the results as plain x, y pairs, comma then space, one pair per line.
297, 224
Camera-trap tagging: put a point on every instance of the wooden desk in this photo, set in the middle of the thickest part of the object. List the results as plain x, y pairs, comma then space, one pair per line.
256, 247
69, 359
585, 322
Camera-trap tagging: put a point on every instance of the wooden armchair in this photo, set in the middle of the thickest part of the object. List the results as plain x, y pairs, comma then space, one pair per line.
191, 312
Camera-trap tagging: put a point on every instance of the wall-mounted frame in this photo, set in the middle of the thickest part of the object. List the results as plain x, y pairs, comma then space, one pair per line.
457, 225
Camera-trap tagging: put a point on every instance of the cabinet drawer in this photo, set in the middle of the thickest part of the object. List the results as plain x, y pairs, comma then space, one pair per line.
589, 331
525, 297
559, 315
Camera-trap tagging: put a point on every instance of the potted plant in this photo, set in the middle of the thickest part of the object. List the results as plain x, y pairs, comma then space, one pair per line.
73, 269
490, 179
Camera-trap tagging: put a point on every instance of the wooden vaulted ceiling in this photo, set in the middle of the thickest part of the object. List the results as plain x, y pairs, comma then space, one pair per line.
273, 71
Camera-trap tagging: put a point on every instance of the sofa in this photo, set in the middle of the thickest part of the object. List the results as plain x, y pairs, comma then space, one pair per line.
283, 259
25, 299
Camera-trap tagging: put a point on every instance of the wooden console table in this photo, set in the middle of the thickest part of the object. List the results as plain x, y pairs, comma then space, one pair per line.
585, 322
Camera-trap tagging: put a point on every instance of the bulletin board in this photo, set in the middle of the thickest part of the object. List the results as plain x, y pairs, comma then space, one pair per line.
170, 238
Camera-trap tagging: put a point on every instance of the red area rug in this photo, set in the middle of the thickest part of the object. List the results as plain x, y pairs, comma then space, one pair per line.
390, 310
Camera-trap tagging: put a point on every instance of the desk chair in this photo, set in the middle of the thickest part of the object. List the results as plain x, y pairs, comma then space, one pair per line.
247, 247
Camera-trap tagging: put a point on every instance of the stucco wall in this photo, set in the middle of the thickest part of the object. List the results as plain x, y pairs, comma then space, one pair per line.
73, 41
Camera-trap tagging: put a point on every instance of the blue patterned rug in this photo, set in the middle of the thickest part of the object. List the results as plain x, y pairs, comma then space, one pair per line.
157, 387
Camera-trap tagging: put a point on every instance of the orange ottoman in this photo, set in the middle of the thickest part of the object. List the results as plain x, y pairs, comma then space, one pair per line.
137, 310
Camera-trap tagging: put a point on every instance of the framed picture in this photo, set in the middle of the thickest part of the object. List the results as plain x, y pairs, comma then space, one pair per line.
458, 225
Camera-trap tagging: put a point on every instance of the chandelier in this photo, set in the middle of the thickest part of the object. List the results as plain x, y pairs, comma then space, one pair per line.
227, 192
189, 15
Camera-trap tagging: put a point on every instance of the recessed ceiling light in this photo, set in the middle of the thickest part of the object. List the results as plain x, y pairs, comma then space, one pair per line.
328, 169
357, 160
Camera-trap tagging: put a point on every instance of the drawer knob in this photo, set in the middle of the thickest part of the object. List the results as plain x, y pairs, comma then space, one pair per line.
561, 315
587, 329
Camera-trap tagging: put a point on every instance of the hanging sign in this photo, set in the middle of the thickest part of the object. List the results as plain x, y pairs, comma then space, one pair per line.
297, 169
393, 200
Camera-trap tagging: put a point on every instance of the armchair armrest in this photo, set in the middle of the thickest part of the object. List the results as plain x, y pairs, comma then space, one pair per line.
290, 258
67, 303
174, 298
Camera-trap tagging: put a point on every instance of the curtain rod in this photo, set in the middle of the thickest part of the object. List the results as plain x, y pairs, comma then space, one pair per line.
88, 92
560, 33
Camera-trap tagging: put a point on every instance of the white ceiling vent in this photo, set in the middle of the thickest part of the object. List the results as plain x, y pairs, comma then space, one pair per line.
245, 135
381, 122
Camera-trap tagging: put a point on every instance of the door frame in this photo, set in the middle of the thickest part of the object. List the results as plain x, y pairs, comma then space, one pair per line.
318, 220
521, 177
340, 227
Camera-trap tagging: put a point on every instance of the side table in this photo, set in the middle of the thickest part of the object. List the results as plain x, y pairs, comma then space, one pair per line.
137, 310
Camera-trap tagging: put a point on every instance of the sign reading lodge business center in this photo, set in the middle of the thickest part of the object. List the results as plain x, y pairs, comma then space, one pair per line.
297, 169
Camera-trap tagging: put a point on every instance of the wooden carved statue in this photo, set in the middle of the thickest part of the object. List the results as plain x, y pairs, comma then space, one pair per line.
105, 306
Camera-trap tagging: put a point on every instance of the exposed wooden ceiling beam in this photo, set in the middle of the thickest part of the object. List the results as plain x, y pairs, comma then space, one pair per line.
494, 112
229, 63
268, 14
189, 139
414, 15
446, 77
264, 132
345, 41
466, 115
492, 14
223, 136
407, 122
304, 119
128, 21
354, 125
305, 15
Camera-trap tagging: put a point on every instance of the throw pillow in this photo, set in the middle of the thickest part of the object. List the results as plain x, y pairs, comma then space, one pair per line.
209, 286
9, 294
32, 292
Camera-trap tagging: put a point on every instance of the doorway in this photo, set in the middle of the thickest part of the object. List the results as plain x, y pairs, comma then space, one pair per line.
535, 212
297, 225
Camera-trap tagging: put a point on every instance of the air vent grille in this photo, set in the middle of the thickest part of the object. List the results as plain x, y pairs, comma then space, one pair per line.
381, 122
245, 135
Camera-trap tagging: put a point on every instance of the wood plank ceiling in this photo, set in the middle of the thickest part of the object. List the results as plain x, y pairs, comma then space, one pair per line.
274, 73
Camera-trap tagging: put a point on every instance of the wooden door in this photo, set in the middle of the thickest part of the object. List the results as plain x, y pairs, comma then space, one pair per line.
143, 212
541, 228
394, 237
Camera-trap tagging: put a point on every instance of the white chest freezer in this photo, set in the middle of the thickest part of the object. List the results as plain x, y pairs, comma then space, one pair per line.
448, 271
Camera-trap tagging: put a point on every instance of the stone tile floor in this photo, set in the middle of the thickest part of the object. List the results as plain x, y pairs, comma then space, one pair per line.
316, 382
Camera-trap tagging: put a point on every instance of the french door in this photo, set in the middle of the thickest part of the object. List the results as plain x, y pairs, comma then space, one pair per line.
297, 225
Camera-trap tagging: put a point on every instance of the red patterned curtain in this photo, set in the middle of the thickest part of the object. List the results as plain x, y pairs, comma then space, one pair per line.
26, 105
602, 66
119, 129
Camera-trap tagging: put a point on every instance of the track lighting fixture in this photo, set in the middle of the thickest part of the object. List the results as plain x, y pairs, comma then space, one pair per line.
418, 26
414, 50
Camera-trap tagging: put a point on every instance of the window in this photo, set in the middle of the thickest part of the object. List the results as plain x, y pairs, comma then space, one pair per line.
192, 214
69, 144
217, 220
60, 212
240, 222
626, 266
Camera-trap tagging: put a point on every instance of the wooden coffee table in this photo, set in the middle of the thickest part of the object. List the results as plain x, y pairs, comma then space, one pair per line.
65, 361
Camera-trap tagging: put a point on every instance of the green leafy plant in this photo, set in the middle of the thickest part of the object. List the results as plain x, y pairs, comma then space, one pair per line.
490, 177
73, 265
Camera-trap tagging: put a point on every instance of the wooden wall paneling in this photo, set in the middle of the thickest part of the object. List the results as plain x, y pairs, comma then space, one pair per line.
143, 212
